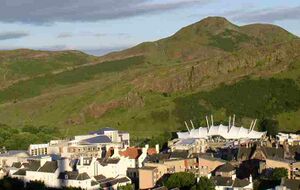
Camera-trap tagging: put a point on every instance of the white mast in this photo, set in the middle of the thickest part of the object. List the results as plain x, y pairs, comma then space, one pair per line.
187, 126
192, 124
250, 128
233, 120
254, 124
207, 121
212, 120
229, 123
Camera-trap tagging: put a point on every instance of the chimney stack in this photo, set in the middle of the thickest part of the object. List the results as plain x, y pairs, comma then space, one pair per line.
157, 148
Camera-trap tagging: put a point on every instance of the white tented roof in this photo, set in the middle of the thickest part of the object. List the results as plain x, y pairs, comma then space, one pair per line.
226, 132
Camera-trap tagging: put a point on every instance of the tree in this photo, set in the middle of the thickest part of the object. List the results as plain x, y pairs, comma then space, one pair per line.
126, 187
279, 173
270, 125
204, 184
182, 180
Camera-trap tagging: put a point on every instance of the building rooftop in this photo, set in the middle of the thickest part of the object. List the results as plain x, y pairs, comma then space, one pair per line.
225, 168
292, 184
240, 182
148, 168
98, 140
73, 175
49, 167
222, 181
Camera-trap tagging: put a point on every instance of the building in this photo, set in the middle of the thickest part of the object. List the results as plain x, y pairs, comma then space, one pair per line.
291, 139
158, 165
225, 179
230, 132
93, 144
207, 163
288, 184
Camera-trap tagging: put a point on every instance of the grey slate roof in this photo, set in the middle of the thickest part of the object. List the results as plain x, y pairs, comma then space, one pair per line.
272, 152
155, 158
105, 161
20, 172
98, 139
49, 167
226, 168
292, 184
240, 182
179, 154
73, 175
33, 165
16, 165
148, 168
110, 182
222, 181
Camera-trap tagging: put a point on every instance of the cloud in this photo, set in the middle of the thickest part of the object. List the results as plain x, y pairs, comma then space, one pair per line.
48, 11
12, 35
267, 15
64, 35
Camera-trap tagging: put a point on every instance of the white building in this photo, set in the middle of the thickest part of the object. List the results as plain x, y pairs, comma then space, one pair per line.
230, 132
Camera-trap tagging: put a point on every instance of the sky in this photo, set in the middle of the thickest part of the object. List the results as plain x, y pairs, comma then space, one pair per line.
101, 26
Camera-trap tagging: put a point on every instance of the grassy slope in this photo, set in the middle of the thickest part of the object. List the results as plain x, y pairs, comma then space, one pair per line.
133, 92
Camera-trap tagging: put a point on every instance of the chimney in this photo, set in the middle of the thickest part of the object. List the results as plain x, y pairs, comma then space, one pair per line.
157, 148
144, 150
147, 146
250, 178
81, 160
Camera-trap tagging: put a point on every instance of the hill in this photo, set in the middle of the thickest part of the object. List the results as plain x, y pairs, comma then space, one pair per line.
209, 67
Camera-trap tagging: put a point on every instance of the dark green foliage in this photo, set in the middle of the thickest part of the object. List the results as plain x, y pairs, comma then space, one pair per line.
229, 40
35, 185
35, 86
182, 180
160, 116
15, 139
161, 140
204, 184
189, 108
126, 187
256, 98
269, 125
278, 173
8, 183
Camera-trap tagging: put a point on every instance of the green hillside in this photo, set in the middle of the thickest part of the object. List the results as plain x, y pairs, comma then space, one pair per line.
210, 67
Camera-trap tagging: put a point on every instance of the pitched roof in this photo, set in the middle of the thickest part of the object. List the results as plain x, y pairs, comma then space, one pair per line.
179, 154
73, 175
98, 139
33, 165
273, 152
131, 152
99, 177
16, 164
155, 158
110, 182
222, 181
244, 153
292, 184
226, 168
20, 172
148, 168
105, 161
49, 167
240, 182
135, 152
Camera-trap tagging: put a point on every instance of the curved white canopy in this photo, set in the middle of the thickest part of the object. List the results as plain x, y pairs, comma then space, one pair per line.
226, 132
